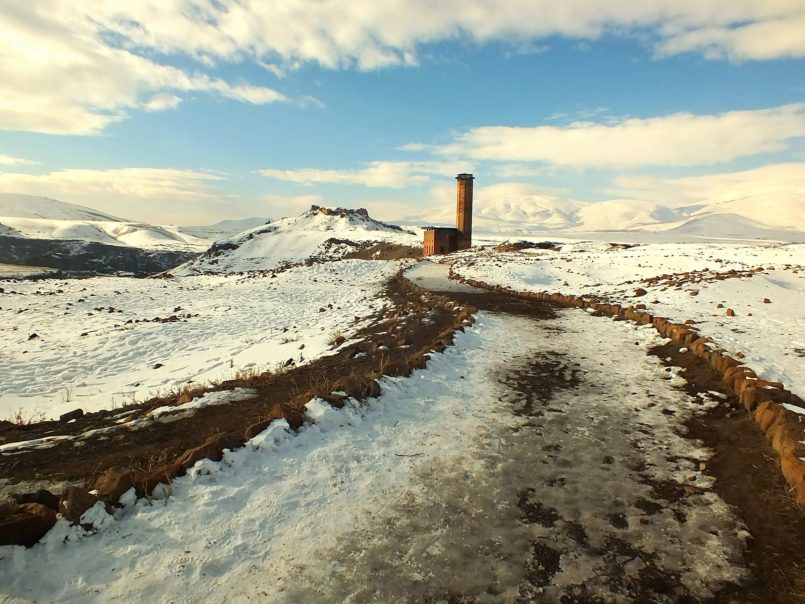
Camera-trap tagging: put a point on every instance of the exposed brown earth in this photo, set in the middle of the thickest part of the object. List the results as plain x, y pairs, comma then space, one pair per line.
747, 477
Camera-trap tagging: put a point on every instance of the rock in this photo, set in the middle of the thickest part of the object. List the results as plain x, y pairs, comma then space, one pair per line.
694, 292
211, 449
158, 365
113, 483
766, 301
27, 524
42, 497
640, 292
71, 415
33, 336
730, 312
74, 502
7, 510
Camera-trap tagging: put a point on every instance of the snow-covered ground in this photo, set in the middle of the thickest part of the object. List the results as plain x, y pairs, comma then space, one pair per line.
316, 234
770, 335
97, 345
416, 494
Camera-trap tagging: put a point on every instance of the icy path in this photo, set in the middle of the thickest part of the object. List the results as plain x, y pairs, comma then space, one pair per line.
466, 479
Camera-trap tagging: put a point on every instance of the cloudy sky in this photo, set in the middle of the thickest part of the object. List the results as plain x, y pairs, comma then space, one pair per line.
192, 111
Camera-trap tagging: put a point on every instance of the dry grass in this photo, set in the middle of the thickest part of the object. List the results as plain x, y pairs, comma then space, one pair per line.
336, 339
20, 418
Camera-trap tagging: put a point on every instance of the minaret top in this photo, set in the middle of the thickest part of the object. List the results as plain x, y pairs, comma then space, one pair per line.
465, 177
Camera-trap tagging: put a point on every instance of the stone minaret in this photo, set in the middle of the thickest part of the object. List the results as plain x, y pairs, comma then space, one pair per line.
464, 211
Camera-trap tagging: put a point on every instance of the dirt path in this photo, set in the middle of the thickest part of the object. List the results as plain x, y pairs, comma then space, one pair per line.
581, 490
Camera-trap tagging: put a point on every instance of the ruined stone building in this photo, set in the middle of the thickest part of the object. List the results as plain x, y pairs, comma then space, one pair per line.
443, 240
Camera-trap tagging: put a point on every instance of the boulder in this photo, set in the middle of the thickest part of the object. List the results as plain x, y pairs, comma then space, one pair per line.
71, 415
113, 483
730, 312
74, 502
640, 292
26, 524
212, 449
42, 497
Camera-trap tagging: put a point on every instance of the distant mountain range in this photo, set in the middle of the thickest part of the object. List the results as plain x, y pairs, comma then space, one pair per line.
39, 231
778, 217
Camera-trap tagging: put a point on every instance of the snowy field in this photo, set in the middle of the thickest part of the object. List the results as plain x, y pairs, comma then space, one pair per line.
383, 502
98, 345
770, 335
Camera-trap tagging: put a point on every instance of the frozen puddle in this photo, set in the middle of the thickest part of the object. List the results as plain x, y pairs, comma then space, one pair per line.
468, 479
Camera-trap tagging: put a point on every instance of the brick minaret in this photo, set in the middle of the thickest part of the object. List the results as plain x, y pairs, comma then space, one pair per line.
464, 210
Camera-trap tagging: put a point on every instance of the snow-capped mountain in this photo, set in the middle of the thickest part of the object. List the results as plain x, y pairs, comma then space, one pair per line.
779, 216
317, 234
39, 231
44, 218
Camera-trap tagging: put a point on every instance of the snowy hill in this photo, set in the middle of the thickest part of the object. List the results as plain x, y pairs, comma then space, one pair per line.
44, 218
30, 206
318, 234
498, 211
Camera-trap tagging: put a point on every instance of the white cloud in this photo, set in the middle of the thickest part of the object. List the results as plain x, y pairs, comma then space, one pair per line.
77, 67
680, 139
387, 174
162, 101
60, 74
10, 160
341, 33
160, 184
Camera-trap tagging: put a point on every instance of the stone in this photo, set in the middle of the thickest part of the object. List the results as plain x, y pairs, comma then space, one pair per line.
730, 312
640, 292
71, 415
113, 483
766, 301
211, 449
74, 502
27, 524
42, 497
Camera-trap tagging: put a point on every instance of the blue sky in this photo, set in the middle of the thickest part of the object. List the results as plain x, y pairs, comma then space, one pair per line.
164, 114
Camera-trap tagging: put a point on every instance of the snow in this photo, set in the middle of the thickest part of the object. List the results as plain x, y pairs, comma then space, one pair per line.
226, 324
509, 209
295, 240
31, 206
45, 218
772, 338
382, 501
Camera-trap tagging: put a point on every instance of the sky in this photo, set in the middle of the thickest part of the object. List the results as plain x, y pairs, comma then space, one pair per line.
194, 111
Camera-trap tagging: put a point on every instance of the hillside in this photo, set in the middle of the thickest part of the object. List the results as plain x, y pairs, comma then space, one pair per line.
317, 234
778, 216
44, 218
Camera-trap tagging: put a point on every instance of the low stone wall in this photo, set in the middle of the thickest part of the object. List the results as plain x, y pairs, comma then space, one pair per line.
762, 399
